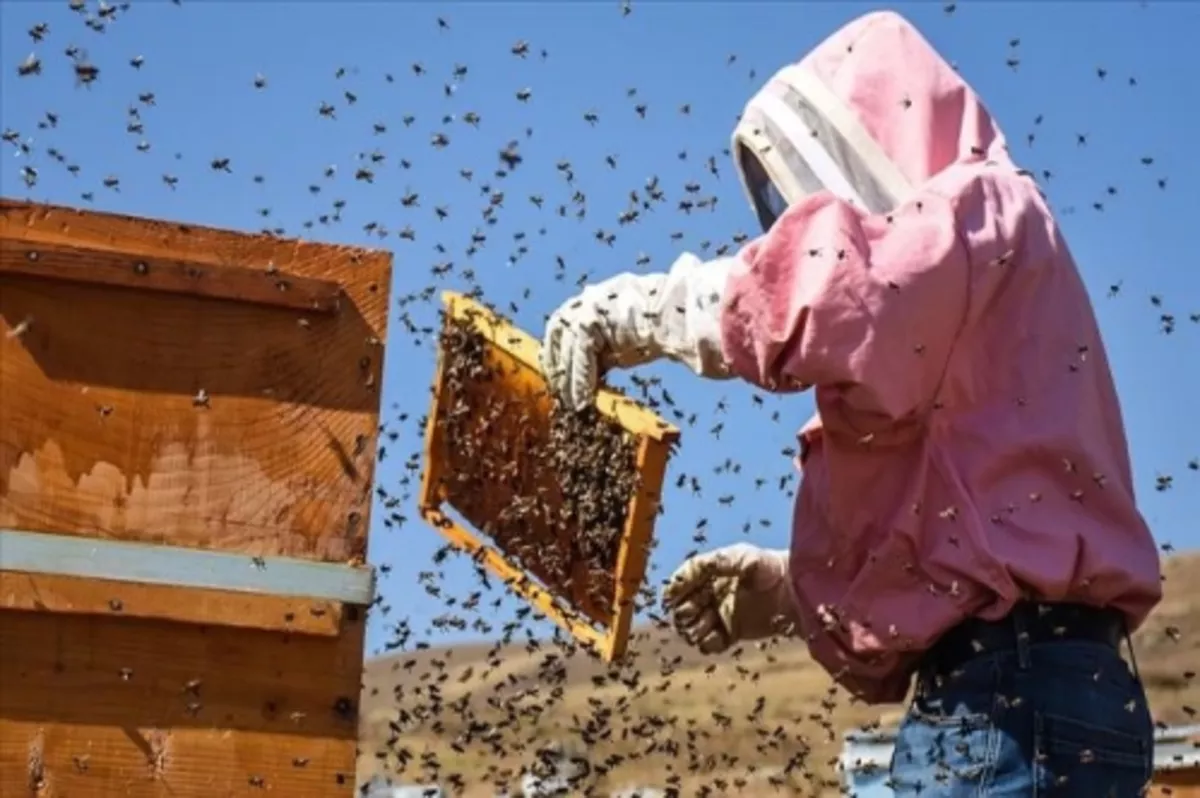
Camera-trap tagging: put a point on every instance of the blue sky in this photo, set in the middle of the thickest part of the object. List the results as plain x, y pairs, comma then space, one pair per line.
200, 59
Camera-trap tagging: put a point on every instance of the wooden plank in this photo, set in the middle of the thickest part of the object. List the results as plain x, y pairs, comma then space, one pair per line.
149, 762
1184, 782
635, 544
101, 706
1175, 787
155, 564
262, 285
85, 596
172, 419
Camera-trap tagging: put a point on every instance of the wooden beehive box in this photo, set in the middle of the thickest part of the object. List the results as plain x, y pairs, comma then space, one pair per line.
1177, 763
1183, 783
509, 422
188, 420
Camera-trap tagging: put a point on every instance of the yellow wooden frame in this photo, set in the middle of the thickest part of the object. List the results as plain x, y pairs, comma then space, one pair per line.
655, 438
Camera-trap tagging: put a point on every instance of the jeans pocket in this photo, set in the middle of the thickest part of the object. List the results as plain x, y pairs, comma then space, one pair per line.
940, 753
1077, 759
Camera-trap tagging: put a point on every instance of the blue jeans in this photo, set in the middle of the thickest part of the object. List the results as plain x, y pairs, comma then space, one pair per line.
1062, 719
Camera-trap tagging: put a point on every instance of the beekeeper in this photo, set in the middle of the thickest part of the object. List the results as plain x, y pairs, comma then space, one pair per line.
967, 513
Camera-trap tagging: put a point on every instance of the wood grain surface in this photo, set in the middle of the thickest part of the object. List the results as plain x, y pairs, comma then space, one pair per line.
246, 284
165, 383
104, 706
52, 593
205, 421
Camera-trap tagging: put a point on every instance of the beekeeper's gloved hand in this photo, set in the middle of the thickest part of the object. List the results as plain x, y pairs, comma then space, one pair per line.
633, 319
730, 595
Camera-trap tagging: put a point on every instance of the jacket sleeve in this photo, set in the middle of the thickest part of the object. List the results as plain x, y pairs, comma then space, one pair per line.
678, 314
867, 306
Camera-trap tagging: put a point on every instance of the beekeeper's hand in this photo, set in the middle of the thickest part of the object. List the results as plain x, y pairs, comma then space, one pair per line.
730, 595
633, 319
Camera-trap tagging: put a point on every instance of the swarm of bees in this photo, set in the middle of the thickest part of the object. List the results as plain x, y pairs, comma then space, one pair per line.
552, 489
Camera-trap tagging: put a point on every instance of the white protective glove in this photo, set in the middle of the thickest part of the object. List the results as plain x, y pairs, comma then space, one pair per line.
730, 595
634, 319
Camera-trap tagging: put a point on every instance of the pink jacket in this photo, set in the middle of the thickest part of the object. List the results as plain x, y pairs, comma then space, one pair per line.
968, 448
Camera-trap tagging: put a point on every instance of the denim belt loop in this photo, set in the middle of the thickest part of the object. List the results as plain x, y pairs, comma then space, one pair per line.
1021, 632
1129, 644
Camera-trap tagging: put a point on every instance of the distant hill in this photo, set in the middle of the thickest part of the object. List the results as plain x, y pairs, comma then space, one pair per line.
478, 711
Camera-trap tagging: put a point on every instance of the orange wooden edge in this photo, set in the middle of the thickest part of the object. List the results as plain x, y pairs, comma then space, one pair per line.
634, 552
263, 286
56, 593
1187, 786
1187, 778
520, 583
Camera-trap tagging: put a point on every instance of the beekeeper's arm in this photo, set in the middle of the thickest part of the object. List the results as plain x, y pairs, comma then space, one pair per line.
864, 307
633, 319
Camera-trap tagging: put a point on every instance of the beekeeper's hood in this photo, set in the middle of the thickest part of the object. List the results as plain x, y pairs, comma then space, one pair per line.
871, 114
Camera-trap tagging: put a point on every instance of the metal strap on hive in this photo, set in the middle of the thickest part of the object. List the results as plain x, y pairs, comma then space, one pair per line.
92, 558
